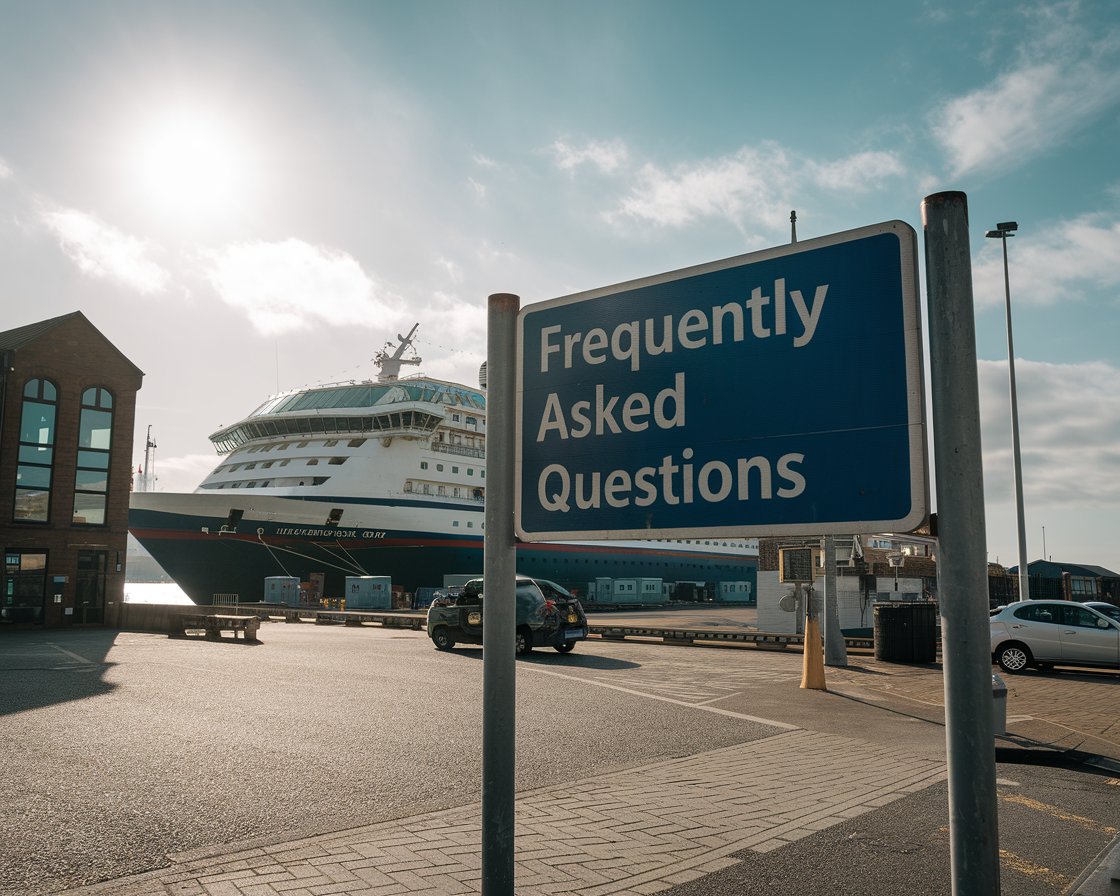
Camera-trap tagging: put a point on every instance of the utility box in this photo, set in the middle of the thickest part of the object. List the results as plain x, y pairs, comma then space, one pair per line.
369, 593
282, 590
736, 592
650, 591
599, 591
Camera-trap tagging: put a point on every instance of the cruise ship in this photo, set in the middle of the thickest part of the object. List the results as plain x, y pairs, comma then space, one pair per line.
379, 478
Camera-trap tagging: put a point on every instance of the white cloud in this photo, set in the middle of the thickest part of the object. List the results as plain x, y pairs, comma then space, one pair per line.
289, 285
606, 155
1064, 79
749, 185
1059, 264
751, 188
5, 170
183, 473
1069, 426
858, 173
100, 250
478, 190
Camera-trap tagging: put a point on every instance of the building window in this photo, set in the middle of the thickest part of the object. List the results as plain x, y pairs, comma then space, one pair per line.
423, 465
95, 438
36, 451
24, 593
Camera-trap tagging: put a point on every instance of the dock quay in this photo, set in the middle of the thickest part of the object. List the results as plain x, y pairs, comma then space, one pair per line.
173, 619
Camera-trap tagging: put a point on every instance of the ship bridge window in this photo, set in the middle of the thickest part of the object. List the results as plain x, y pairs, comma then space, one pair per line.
356, 443
337, 461
330, 443
313, 461
319, 480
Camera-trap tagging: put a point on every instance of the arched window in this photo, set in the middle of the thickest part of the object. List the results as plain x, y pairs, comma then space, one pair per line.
36, 451
95, 439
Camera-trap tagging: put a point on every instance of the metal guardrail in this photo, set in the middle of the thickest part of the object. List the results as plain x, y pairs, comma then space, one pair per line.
690, 636
416, 620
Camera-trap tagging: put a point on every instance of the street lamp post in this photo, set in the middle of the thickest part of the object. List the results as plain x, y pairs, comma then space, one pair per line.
1002, 232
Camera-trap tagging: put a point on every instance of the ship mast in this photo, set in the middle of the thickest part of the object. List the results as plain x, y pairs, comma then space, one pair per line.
147, 475
389, 366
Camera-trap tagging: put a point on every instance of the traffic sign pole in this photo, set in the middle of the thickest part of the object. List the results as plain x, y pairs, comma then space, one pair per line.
499, 561
962, 553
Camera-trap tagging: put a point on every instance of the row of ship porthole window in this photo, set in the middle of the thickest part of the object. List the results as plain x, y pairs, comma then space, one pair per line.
264, 465
454, 469
284, 446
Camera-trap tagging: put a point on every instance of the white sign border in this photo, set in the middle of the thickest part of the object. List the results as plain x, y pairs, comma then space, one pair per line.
915, 397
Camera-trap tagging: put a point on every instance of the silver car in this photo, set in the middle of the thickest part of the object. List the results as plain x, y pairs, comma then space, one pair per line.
1047, 633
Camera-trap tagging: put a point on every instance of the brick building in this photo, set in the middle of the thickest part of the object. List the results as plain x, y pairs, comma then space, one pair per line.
67, 412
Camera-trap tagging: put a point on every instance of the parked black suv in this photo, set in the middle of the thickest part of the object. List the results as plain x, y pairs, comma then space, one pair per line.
547, 616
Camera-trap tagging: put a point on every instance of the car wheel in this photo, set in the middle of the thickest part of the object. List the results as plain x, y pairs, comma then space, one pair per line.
566, 647
441, 637
1014, 658
523, 641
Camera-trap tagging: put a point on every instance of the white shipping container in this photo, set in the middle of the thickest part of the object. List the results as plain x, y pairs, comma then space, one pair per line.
738, 592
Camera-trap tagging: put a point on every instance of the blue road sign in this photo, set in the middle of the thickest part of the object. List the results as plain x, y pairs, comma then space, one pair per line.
773, 393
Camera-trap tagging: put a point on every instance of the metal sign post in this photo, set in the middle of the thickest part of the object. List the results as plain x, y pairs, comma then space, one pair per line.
499, 669
962, 558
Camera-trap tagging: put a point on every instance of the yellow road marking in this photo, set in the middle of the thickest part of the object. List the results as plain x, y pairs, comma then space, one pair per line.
1048, 876
1087, 823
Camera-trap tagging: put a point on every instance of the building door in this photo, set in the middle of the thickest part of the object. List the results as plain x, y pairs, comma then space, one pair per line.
89, 587
24, 595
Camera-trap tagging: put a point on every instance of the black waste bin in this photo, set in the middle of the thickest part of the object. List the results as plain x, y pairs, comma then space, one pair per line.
906, 632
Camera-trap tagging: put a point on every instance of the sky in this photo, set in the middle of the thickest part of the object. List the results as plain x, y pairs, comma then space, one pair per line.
249, 197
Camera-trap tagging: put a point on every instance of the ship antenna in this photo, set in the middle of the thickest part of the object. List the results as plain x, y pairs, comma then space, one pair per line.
147, 477
389, 365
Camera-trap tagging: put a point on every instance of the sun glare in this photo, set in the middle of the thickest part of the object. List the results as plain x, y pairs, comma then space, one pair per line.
191, 165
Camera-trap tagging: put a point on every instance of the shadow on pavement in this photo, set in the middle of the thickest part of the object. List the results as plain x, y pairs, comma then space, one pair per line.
43, 668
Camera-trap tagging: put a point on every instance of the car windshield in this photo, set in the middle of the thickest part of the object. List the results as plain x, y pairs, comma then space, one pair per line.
1109, 610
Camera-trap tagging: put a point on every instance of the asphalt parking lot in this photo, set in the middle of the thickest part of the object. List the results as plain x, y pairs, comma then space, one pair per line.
138, 763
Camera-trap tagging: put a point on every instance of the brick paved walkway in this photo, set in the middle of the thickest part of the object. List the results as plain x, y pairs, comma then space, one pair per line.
632, 832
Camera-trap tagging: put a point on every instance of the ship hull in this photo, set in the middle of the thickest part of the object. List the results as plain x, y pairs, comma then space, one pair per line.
208, 551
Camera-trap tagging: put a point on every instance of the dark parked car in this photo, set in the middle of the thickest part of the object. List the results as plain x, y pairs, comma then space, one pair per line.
547, 616
1047, 633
